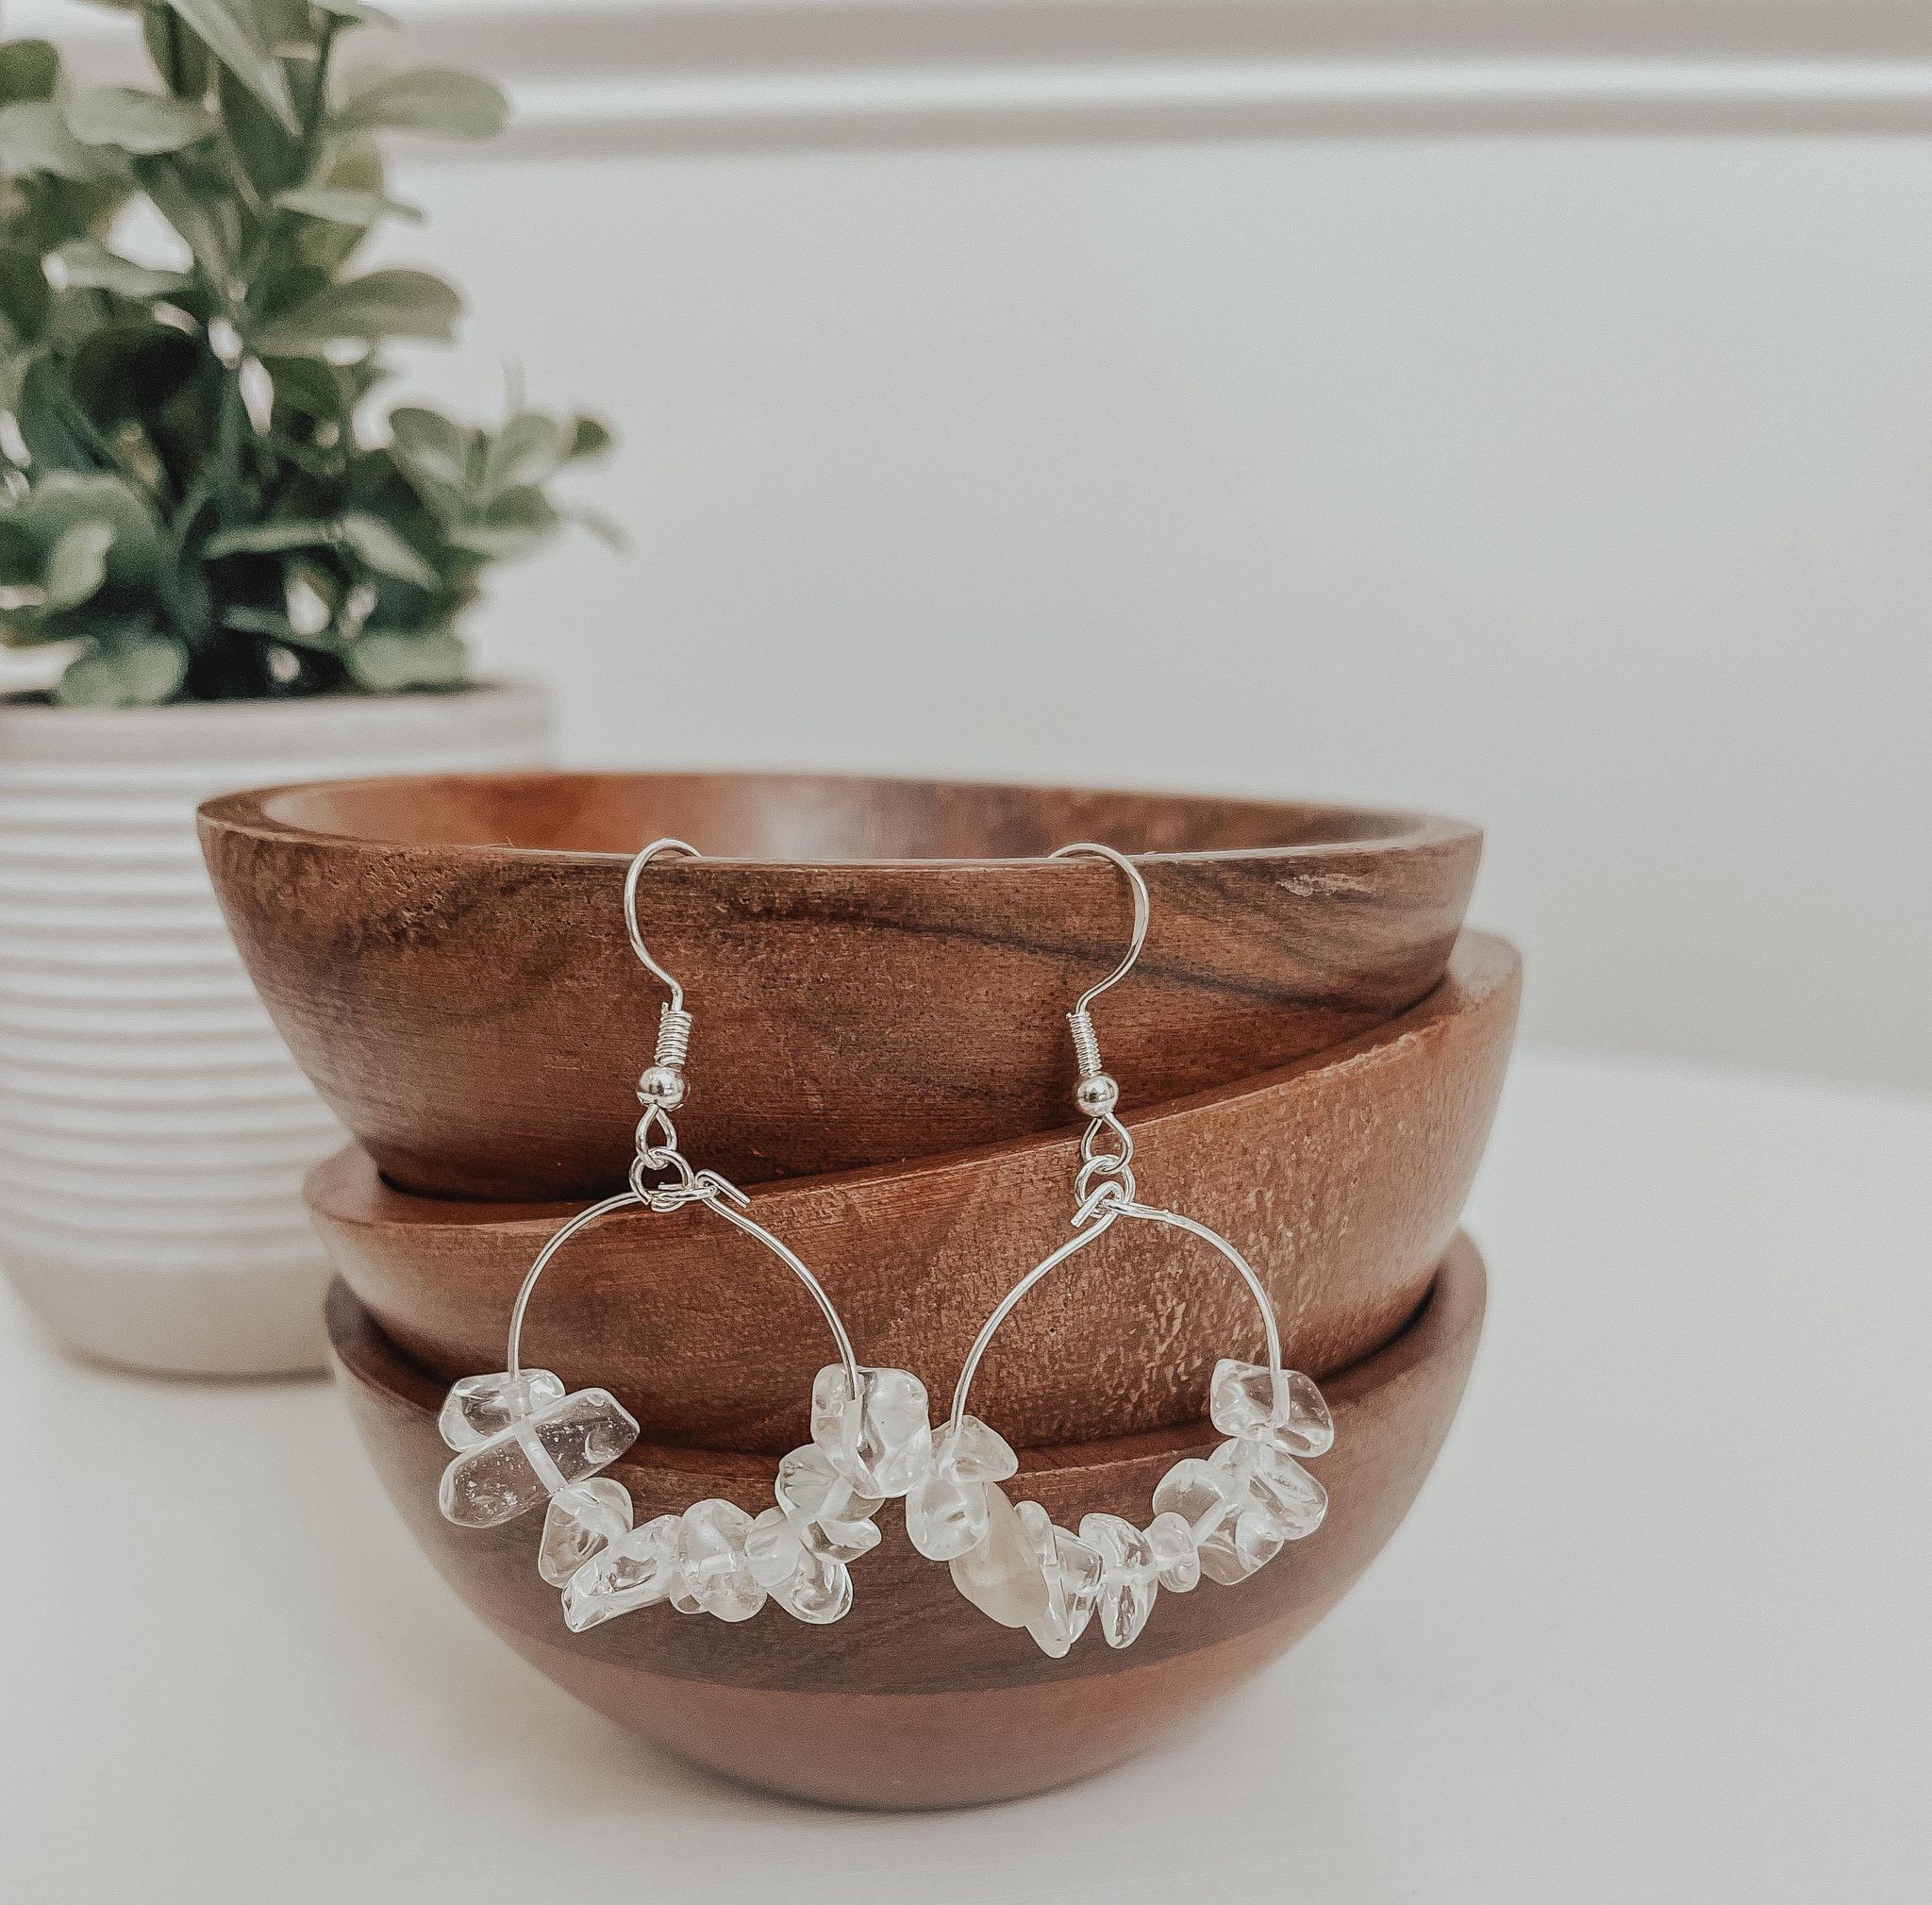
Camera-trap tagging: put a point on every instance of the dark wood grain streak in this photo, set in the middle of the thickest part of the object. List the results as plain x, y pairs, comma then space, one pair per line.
916, 1699
879, 968
1343, 1176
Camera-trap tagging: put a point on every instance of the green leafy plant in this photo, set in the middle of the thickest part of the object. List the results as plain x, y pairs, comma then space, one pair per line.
196, 492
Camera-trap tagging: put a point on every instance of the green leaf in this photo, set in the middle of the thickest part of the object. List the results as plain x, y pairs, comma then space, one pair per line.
35, 138
269, 539
258, 622
311, 387
587, 438
386, 661
382, 303
142, 675
385, 551
353, 164
354, 13
270, 154
87, 264
20, 556
432, 99
607, 529
515, 523
430, 443
233, 30
341, 206
64, 500
200, 208
370, 539
24, 297
77, 564
135, 121
277, 627
132, 370
180, 57
29, 69
527, 449
55, 439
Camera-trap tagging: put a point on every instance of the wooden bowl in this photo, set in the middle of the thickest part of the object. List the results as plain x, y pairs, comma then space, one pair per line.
915, 1698
1341, 1175
879, 968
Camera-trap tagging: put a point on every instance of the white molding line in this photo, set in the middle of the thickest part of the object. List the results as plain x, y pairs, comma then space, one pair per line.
1202, 101
688, 76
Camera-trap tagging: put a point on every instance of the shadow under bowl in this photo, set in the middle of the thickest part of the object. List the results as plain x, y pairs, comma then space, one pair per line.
915, 1698
879, 969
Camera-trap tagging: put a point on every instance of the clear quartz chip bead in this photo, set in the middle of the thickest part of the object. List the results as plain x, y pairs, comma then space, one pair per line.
818, 1591
1256, 1539
637, 1570
1278, 1484
1002, 1577
522, 1466
831, 1516
1129, 1579
1210, 1500
774, 1548
880, 1441
479, 1407
1071, 1571
1282, 1406
584, 1517
946, 1508
809, 1582
712, 1563
1178, 1560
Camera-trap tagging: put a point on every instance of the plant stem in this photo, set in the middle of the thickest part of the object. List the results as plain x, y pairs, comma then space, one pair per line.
318, 95
228, 421
171, 35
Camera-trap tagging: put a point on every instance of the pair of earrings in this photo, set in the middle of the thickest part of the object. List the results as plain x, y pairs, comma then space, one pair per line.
522, 1442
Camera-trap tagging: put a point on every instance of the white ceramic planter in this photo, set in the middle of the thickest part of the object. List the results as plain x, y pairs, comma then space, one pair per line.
154, 1133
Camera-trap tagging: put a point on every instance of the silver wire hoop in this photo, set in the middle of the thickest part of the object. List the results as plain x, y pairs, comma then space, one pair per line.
1107, 1205
715, 1194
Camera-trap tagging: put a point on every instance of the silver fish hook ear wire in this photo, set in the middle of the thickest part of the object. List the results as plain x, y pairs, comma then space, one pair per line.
1225, 1517
661, 1087
1098, 1092
521, 1442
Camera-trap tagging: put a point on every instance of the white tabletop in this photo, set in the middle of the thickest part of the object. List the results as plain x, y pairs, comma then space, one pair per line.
1656, 1631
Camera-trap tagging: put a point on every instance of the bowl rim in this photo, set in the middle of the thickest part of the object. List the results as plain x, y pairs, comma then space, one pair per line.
251, 813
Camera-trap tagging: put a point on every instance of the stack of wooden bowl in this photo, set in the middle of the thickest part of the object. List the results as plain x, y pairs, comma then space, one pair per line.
1310, 1052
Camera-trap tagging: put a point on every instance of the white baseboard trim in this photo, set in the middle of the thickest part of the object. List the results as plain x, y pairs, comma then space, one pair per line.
669, 76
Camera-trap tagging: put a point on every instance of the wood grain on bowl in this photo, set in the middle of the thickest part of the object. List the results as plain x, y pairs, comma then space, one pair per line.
879, 968
1341, 1175
915, 1698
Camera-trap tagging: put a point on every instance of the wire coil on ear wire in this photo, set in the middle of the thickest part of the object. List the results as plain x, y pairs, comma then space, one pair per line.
1086, 1044
674, 1038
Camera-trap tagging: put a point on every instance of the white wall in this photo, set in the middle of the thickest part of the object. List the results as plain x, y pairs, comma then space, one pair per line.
1502, 430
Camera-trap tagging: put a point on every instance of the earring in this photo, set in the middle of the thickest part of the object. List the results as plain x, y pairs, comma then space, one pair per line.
1225, 1517
521, 1442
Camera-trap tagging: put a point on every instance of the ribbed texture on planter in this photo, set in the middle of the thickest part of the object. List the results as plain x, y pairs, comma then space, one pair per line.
154, 1133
